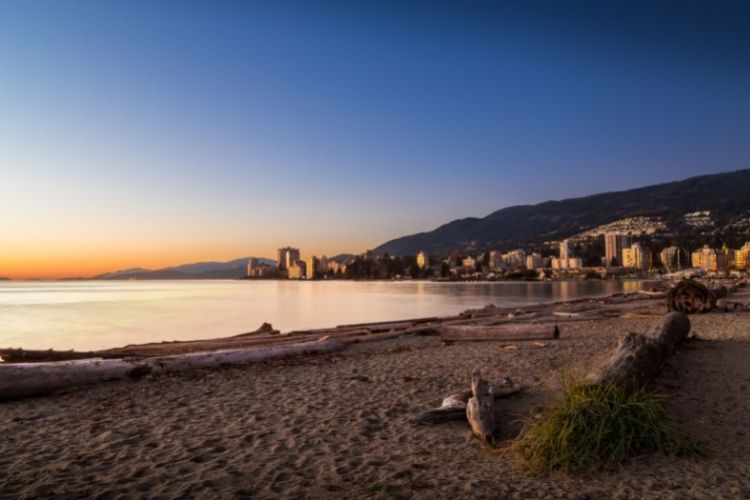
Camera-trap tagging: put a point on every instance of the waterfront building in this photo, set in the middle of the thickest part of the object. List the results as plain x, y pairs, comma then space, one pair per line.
534, 261
515, 259
575, 263
336, 267
252, 264
322, 267
569, 263
709, 259
496, 261
742, 257
423, 260
672, 258
297, 270
566, 250
469, 264
729, 256
614, 243
636, 257
287, 257
311, 268
257, 269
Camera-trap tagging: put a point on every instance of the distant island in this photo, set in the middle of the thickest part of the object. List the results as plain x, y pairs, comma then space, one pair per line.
4, 279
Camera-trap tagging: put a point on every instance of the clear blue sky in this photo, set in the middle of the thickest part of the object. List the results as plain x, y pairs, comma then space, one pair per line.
189, 130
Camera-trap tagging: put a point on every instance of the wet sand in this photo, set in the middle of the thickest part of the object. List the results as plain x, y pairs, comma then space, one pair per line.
336, 426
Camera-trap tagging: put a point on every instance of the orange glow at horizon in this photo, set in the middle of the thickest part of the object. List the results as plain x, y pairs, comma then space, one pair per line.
57, 264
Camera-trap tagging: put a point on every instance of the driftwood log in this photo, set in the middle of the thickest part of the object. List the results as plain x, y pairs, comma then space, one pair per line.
638, 358
19, 380
690, 296
470, 333
453, 406
480, 409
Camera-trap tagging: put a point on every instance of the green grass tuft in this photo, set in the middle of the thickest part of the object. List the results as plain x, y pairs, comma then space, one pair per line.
593, 427
375, 487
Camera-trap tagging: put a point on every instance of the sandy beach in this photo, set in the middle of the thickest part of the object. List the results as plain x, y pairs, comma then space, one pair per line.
337, 425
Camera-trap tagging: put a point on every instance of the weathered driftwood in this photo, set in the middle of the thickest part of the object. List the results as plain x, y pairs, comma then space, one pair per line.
653, 294
720, 291
480, 409
639, 357
566, 314
453, 406
467, 333
34, 356
33, 379
376, 324
690, 296
729, 305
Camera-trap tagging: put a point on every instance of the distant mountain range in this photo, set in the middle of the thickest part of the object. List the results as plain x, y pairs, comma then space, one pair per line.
232, 269
200, 270
719, 202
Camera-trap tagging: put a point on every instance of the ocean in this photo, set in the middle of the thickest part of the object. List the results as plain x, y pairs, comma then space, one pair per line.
86, 315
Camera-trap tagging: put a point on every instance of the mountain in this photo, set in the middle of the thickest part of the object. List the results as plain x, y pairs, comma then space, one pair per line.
718, 202
121, 274
199, 270
342, 258
4, 279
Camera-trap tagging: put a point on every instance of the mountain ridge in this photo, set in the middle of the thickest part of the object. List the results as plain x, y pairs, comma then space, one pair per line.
724, 195
235, 268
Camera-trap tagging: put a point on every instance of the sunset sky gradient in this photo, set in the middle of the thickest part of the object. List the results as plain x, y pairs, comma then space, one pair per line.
158, 133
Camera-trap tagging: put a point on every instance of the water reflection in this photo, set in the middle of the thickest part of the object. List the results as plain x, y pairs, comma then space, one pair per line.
94, 315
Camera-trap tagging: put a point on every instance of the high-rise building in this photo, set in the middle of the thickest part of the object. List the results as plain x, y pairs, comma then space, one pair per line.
287, 257
311, 268
423, 260
323, 265
566, 250
614, 243
636, 257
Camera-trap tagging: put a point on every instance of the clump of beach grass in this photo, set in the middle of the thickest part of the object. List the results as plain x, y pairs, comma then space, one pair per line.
594, 427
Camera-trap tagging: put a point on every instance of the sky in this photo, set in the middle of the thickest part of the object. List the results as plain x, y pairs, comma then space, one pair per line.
155, 133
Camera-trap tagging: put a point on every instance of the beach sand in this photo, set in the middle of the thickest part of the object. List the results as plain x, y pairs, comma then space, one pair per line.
336, 426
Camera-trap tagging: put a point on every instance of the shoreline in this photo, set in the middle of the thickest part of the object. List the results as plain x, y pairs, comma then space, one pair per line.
267, 335
111, 315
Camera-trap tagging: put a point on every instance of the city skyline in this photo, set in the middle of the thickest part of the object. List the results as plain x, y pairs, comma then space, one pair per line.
153, 135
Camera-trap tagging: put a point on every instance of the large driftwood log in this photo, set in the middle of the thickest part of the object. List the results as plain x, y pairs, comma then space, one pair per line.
480, 409
33, 379
453, 406
690, 296
514, 332
639, 357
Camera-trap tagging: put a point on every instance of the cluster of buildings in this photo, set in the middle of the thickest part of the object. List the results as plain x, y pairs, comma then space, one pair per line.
620, 251
289, 264
621, 255
721, 260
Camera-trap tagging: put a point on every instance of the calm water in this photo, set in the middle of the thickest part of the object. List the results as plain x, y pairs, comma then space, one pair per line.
95, 315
